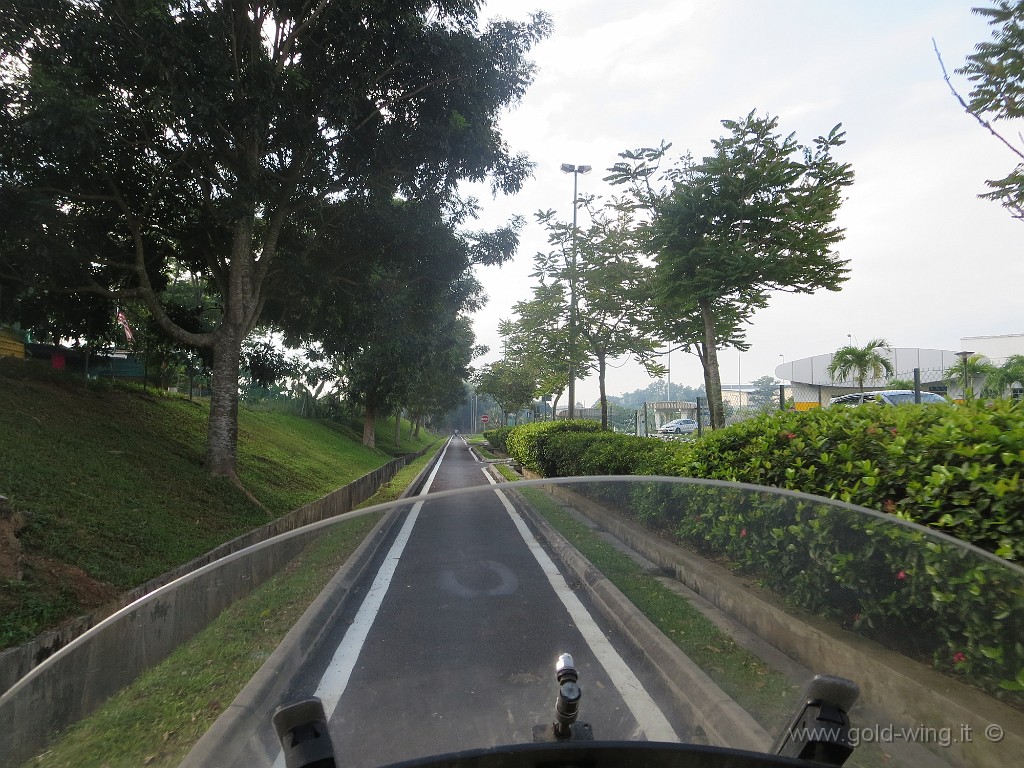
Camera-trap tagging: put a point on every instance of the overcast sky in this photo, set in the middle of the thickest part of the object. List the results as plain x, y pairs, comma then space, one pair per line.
930, 262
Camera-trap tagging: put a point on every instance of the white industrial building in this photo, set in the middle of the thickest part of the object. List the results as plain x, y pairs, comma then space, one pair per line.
812, 387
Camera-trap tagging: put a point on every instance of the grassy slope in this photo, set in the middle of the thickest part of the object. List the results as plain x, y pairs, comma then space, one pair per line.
110, 483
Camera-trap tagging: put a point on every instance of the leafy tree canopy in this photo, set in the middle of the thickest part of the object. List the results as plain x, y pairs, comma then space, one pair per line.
137, 138
755, 216
996, 73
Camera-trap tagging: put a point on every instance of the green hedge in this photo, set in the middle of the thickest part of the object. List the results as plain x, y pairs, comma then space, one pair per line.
575, 454
526, 442
955, 468
497, 437
922, 597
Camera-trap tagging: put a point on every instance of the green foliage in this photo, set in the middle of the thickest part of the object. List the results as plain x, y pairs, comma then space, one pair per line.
146, 139
957, 469
111, 483
755, 216
996, 73
593, 302
511, 384
962, 613
526, 443
576, 454
860, 363
497, 438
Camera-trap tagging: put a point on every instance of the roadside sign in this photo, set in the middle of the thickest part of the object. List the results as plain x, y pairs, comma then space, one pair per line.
485, 418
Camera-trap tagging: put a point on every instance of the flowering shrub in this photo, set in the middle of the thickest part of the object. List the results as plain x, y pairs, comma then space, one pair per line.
915, 593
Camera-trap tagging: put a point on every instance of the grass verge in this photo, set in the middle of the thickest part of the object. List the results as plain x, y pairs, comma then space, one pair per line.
107, 487
759, 689
156, 720
764, 693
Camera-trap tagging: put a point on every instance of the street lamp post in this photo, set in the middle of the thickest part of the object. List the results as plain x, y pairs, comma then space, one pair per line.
965, 356
575, 170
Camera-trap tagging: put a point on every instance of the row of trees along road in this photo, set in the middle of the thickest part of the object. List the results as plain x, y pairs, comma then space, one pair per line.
686, 255
250, 147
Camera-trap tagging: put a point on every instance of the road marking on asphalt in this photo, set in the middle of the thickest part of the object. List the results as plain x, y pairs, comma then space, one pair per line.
647, 714
336, 677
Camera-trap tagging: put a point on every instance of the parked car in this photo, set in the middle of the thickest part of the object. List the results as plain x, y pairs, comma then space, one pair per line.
886, 397
678, 427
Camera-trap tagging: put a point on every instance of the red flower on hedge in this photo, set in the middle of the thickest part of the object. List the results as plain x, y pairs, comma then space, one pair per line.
743, 533
889, 506
790, 435
959, 658
901, 575
894, 431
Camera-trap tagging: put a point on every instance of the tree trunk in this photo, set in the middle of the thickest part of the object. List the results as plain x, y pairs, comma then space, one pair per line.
602, 369
222, 429
398, 427
712, 375
370, 427
242, 305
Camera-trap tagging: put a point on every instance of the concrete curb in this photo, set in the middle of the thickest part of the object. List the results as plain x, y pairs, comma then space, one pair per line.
906, 690
696, 694
229, 735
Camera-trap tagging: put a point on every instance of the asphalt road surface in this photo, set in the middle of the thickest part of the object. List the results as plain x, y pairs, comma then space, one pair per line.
452, 642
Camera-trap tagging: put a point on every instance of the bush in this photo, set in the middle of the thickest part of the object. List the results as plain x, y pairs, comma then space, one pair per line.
575, 454
924, 597
497, 437
526, 441
955, 468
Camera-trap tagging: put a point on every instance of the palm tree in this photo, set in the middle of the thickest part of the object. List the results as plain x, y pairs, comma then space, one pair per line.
966, 372
1001, 380
861, 362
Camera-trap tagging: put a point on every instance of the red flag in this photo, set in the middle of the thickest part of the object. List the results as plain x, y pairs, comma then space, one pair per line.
123, 322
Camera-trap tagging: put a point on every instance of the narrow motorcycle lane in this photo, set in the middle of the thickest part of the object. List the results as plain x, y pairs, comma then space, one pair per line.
461, 651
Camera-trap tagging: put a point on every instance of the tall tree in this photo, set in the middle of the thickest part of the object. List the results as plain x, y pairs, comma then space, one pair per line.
860, 363
386, 294
996, 72
765, 396
135, 135
510, 384
613, 291
755, 216
539, 338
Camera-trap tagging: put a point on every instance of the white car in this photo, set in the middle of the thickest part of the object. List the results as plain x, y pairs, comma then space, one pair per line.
678, 427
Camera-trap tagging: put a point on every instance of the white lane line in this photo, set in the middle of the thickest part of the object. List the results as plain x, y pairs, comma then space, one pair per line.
647, 714
338, 673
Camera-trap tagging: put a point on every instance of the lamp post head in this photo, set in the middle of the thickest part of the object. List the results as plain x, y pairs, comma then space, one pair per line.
570, 168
